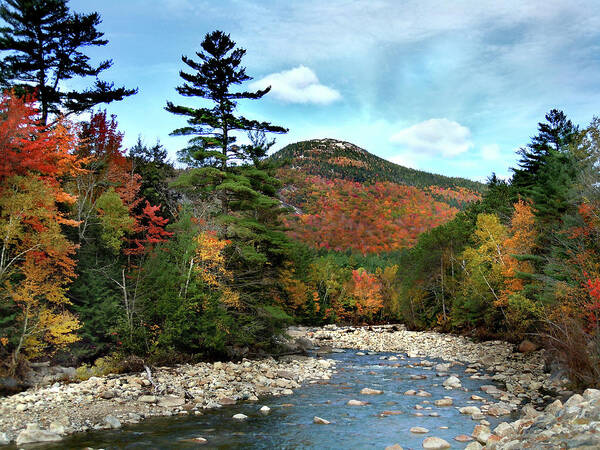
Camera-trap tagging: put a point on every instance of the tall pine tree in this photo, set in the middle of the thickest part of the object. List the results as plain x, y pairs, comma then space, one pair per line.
42, 43
233, 178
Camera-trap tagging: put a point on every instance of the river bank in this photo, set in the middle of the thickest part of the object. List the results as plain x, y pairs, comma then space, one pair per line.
511, 384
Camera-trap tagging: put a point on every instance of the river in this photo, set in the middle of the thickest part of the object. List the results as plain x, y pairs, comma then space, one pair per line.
386, 420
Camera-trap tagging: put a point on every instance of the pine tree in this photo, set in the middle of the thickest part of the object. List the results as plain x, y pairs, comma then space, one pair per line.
555, 135
42, 42
234, 179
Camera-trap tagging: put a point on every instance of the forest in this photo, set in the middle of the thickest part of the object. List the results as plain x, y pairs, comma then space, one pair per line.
112, 257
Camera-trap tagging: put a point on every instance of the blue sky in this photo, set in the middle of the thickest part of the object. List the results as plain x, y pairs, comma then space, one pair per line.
451, 87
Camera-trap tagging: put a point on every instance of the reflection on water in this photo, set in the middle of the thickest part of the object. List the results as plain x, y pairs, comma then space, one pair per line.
384, 421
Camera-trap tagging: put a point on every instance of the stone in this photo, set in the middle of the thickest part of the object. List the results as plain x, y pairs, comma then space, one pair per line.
171, 401
112, 422
469, 410
435, 443
369, 391
265, 410
444, 402
419, 430
463, 438
410, 392
445, 367
239, 416
287, 392
226, 401
320, 421
423, 394
591, 395
108, 394
391, 413
394, 447
477, 398
33, 434
452, 383
4, 440
527, 346
474, 446
147, 399
504, 429
497, 411
57, 427
574, 400
481, 433
356, 403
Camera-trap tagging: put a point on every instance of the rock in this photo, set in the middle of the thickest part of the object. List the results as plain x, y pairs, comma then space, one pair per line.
469, 410
445, 367
554, 407
504, 429
239, 416
527, 346
369, 391
320, 421
287, 392
4, 440
147, 399
394, 447
225, 401
477, 398
171, 401
57, 427
356, 403
435, 443
463, 438
452, 383
497, 411
591, 395
574, 400
410, 392
444, 402
33, 434
481, 433
474, 446
112, 422
419, 430
108, 394
265, 410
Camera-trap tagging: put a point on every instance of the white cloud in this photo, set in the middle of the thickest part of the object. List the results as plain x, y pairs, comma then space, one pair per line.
435, 137
490, 152
406, 160
297, 85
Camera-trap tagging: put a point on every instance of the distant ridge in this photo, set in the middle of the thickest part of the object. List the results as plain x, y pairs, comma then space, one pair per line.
332, 158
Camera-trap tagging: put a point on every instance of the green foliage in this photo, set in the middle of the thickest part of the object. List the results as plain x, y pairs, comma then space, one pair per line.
45, 59
114, 218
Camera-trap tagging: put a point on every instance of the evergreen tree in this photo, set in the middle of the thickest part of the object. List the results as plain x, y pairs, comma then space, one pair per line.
233, 178
555, 135
42, 42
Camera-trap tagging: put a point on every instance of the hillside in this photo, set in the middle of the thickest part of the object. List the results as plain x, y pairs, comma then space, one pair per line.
331, 158
345, 198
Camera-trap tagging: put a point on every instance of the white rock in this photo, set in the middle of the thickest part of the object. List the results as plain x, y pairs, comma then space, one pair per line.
469, 410
474, 446
435, 443
32, 435
239, 416
4, 440
265, 410
369, 391
356, 403
452, 383
112, 422
444, 402
419, 430
320, 421
482, 433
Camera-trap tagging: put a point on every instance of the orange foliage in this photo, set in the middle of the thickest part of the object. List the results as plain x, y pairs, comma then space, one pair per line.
341, 215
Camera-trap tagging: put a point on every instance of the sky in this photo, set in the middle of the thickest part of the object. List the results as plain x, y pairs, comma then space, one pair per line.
451, 87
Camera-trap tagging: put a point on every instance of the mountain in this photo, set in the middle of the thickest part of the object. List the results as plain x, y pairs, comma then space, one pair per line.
345, 198
331, 158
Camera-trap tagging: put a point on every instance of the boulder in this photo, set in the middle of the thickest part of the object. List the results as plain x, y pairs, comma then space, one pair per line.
452, 383
356, 403
445, 367
474, 446
320, 421
33, 434
239, 416
419, 430
481, 433
527, 346
444, 402
112, 422
469, 410
410, 392
265, 410
435, 443
369, 391
504, 429
423, 394
170, 401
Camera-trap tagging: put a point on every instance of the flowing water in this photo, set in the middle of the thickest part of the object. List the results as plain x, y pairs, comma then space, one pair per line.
290, 422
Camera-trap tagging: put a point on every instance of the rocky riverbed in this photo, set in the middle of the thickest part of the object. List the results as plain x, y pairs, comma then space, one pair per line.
515, 384
47, 414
